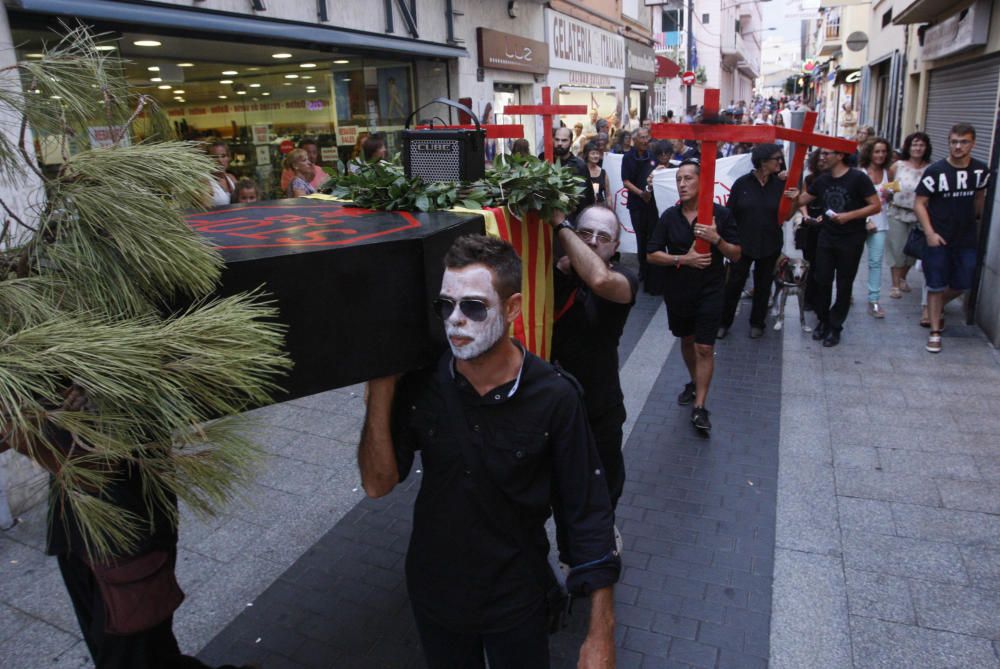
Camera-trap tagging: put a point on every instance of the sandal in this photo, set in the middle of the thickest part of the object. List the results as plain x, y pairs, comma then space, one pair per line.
905, 287
934, 341
895, 293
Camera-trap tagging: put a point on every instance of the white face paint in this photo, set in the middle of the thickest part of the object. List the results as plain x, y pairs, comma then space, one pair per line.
467, 338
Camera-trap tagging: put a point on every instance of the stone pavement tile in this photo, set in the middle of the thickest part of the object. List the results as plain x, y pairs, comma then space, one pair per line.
807, 524
11, 622
983, 565
938, 465
887, 486
37, 644
76, 657
869, 515
950, 525
901, 556
30, 582
879, 645
879, 596
959, 609
809, 617
853, 456
971, 495
989, 466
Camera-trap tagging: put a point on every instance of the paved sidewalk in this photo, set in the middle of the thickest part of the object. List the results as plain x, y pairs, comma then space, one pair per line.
866, 478
888, 544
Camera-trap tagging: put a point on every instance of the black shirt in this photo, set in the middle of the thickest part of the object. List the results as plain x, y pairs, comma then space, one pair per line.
755, 209
478, 552
572, 162
586, 335
675, 235
636, 168
951, 193
590, 196
842, 194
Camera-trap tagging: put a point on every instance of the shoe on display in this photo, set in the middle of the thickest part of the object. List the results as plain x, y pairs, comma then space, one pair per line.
756, 333
699, 418
687, 395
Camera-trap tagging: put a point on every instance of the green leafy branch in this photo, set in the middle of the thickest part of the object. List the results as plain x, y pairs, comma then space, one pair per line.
522, 183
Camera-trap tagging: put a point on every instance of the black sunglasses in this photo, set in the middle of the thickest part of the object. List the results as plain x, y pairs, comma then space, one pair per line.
475, 310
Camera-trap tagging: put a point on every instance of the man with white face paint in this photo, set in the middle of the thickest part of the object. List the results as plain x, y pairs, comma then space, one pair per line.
505, 443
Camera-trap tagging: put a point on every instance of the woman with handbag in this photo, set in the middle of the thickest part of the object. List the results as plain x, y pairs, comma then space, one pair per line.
875, 158
904, 175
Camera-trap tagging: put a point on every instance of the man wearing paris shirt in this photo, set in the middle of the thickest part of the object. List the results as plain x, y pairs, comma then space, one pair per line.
950, 199
848, 198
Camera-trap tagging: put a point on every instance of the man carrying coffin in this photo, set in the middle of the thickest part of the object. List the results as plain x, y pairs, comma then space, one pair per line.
505, 442
694, 286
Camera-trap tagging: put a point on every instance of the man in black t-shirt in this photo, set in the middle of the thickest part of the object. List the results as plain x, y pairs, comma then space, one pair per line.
693, 288
562, 141
950, 199
848, 198
593, 298
637, 165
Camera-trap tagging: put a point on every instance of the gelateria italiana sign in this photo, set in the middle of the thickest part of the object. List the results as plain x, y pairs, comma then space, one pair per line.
575, 45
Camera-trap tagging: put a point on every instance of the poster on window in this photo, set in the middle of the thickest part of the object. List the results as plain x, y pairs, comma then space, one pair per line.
394, 93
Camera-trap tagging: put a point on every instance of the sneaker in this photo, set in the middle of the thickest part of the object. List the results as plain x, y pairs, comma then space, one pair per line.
722, 332
822, 329
934, 341
832, 339
699, 418
875, 310
687, 395
756, 333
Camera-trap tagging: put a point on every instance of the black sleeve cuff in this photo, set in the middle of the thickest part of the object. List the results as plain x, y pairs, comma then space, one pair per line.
590, 576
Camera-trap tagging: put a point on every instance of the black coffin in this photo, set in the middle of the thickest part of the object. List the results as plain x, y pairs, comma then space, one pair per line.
353, 286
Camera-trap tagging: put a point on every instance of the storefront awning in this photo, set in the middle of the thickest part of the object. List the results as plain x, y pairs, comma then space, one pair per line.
223, 24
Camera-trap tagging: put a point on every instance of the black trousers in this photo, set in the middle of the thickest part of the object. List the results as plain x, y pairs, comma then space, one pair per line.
155, 648
607, 429
836, 261
525, 646
763, 278
809, 253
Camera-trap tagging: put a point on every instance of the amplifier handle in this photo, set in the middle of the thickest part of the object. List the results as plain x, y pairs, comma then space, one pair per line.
450, 103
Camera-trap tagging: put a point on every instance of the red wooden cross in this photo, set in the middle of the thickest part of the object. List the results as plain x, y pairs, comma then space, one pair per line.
493, 131
547, 111
711, 134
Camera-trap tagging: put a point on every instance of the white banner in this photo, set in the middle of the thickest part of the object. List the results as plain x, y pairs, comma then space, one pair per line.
727, 170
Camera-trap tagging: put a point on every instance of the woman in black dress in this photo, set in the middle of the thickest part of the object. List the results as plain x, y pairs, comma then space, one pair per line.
598, 188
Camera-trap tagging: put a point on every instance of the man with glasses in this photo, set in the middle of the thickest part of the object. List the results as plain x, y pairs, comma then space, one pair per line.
593, 298
505, 443
753, 201
848, 198
950, 199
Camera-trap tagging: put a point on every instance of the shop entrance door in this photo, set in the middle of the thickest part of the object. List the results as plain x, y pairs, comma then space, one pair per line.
503, 96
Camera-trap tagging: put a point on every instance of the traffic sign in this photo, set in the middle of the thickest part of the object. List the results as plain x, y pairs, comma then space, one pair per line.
688, 78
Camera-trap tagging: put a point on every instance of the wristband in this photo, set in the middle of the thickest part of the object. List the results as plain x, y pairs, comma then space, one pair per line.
677, 262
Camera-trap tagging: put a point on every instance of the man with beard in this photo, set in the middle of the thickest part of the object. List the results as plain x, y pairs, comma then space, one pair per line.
562, 140
593, 300
693, 289
505, 442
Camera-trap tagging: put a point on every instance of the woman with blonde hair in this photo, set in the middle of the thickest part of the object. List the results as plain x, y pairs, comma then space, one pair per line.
302, 168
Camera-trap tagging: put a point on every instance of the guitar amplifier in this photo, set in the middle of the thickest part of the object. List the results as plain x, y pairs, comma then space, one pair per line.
445, 154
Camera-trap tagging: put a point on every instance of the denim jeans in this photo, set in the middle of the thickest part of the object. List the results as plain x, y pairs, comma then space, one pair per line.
876, 251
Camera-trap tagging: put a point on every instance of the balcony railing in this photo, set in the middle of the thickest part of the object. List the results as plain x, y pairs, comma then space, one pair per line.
833, 31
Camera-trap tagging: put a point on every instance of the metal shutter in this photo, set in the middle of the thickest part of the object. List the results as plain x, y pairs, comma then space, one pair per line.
963, 94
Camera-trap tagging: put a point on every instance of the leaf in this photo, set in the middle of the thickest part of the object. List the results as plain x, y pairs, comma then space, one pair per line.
422, 203
471, 204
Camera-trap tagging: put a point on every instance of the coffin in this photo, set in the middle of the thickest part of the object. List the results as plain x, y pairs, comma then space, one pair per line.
353, 286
